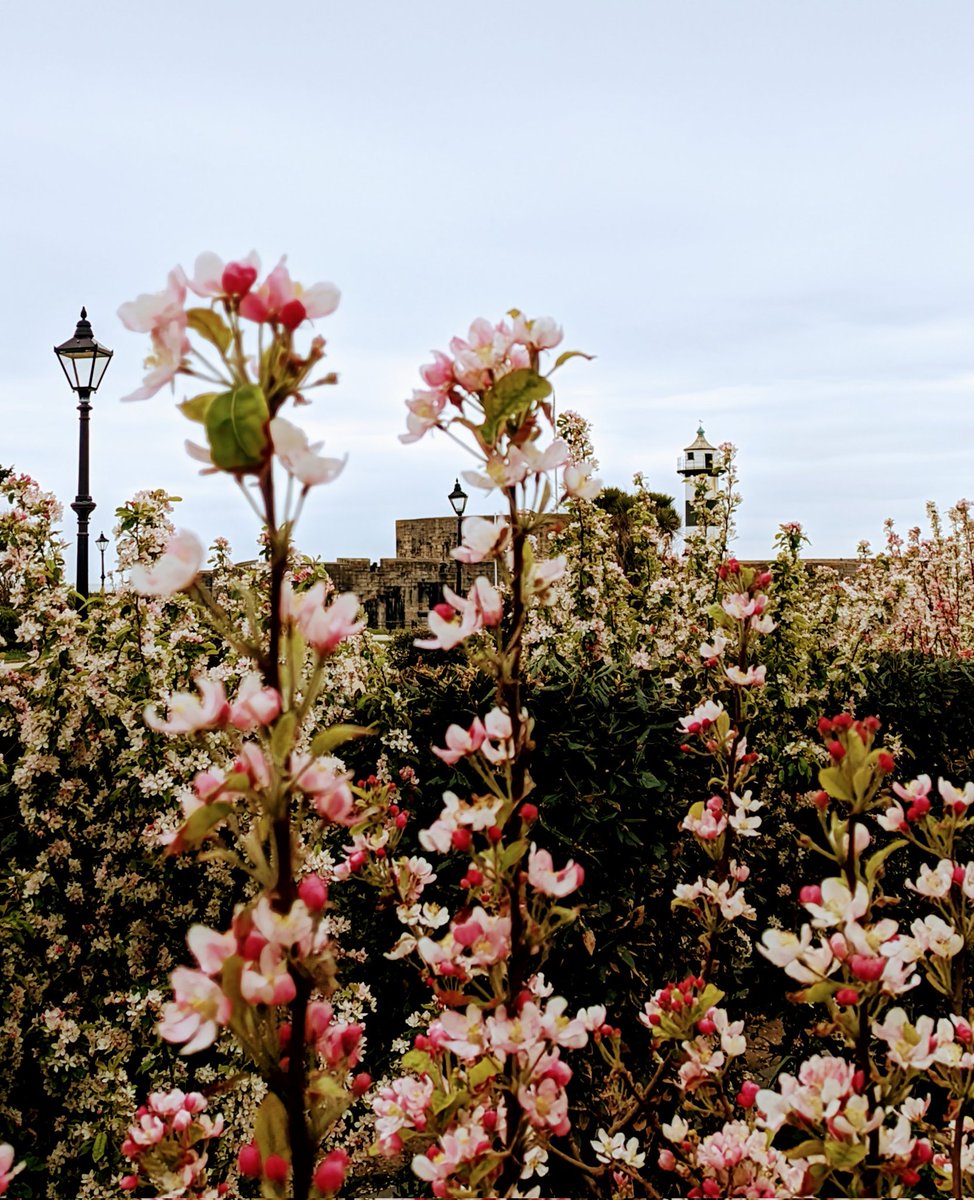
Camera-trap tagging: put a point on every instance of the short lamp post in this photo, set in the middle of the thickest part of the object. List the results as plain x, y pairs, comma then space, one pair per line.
102, 543
84, 363
458, 502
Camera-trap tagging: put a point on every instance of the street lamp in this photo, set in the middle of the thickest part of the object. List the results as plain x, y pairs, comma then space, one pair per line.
84, 363
102, 543
458, 501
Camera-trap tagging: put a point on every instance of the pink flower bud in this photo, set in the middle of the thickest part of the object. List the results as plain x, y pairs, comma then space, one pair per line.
810, 894
667, 1160
529, 813
706, 1026
867, 968
249, 1161
128, 1183
275, 1168
330, 1174
461, 839
361, 1083
314, 892
748, 1093
846, 996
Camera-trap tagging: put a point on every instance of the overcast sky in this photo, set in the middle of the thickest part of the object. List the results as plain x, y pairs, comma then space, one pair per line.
756, 213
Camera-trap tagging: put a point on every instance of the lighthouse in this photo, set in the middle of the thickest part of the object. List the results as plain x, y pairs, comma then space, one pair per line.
698, 466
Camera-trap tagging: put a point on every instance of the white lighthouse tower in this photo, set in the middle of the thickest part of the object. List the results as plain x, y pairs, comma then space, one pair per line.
698, 466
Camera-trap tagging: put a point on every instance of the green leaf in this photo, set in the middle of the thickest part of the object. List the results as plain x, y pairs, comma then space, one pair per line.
844, 1155
566, 355
210, 325
236, 427
271, 1128
481, 1071
282, 737
834, 782
805, 1149
196, 408
203, 820
818, 992
328, 740
511, 397
98, 1149
418, 1062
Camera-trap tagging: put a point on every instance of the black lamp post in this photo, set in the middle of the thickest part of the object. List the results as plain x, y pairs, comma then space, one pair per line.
84, 363
102, 543
458, 501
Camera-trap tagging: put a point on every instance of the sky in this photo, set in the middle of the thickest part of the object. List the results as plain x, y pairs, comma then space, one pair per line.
755, 213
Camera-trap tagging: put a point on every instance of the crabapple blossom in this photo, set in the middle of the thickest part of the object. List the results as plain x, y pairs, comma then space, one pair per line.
7, 1168
189, 714
838, 905
544, 878
328, 788
174, 571
578, 481
163, 317
281, 301
754, 676
910, 1046
213, 277
936, 883
255, 704
323, 628
425, 409
959, 800
617, 1149
543, 575
197, 1011
934, 936
461, 742
293, 928
543, 333
210, 949
702, 717
482, 539
299, 458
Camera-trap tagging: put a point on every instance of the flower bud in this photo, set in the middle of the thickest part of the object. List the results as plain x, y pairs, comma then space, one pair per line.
314, 892
821, 801
275, 1168
529, 813
249, 1161
461, 839
330, 1174
128, 1183
836, 751
361, 1083
495, 833
748, 1093
810, 894
885, 762
238, 279
846, 996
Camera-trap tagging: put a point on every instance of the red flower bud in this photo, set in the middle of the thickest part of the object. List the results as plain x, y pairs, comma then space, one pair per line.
314, 892
421, 1041
330, 1174
821, 801
872, 724
836, 751
885, 761
495, 833
846, 996
361, 1083
249, 1162
380, 851
461, 839
843, 721
706, 1026
748, 1093
922, 1152
128, 1183
919, 808
275, 1168
866, 967
292, 314
858, 1081
824, 726
401, 819
810, 894
238, 279
529, 813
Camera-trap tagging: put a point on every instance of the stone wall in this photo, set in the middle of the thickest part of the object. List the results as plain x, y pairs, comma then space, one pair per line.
397, 593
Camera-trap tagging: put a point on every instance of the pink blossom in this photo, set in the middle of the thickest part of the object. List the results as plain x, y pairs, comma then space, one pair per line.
293, 928
210, 949
702, 717
908, 1045
439, 373
460, 742
7, 1168
281, 301
425, 409
752, 677
461, 1034
197, 1011
174, 571
213, 277
328, 788
402, 1105
543, 575
457, 617
255, 705
498, 747
543, 333
322, 628
578, 481
482, 539
187, 714
544, 878
163, 317
301, 460
268, 981
545, 1105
